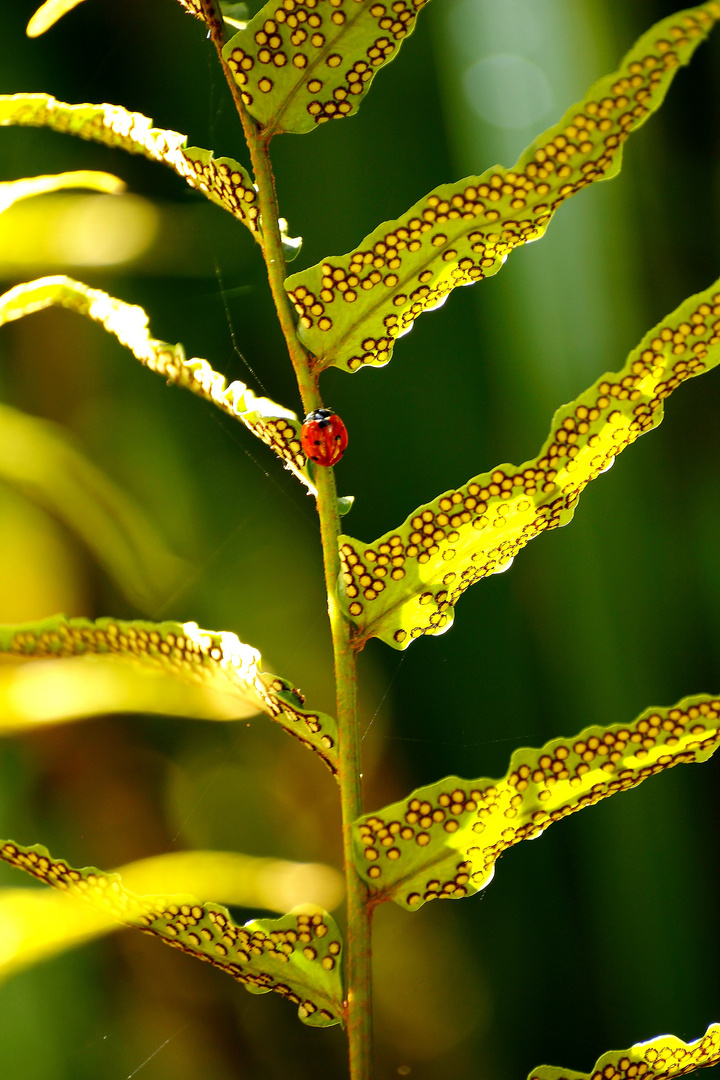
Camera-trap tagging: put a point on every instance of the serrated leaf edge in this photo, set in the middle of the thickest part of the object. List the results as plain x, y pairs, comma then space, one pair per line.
222, 180
663, 1057
474, 821
466, 214
191, 926
495, 514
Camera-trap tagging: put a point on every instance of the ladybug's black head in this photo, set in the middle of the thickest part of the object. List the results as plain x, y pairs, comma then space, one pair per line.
319, 415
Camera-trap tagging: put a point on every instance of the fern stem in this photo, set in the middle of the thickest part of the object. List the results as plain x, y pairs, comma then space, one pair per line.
358, 1004
275, 263
358, 943
270, 241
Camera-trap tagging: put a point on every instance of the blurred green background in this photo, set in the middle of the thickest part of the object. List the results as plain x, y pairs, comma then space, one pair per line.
605, 932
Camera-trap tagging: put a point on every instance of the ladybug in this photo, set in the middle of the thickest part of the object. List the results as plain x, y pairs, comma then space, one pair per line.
324, 437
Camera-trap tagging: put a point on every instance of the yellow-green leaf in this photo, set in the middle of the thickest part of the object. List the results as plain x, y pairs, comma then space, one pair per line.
406, 583
52, 10
277, 426
444, 840
657, 1059
242, 880
38, 923
301, 64
353, 307
180, 652
11, 191
40, 460
48, 14
297, 955
223, 180
53, 692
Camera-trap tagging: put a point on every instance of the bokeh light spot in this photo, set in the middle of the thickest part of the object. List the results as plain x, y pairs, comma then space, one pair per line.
508, 91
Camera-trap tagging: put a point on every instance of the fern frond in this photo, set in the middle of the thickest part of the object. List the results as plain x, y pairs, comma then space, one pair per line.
297, 955
222, 180
353, 307
406, 583
181, 654
443, 841
276, 426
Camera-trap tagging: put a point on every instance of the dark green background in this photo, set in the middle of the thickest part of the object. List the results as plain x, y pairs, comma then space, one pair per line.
605, 932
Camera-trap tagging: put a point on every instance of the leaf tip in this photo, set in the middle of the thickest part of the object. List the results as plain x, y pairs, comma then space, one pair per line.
47, 15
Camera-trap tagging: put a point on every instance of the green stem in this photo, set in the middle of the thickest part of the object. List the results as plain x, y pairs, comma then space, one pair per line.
358, 1005
270, 240
275, 263
358, 944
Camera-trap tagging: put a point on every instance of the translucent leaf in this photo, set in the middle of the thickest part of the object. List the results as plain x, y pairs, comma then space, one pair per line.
297, 955
300, 64
353, 307
444, 840
663, 1057
406, 583
11, 191
223, 180
39, 459
242, 880
38, 923
48, 14
181, 652
55, 691
277, 426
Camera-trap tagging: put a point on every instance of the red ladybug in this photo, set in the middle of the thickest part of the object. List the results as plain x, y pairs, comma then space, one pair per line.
324, 437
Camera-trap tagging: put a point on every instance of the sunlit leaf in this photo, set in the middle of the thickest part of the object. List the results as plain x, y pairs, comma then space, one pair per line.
242, 880
297, 955
11, 191
99, 231
38, 923
180, 651
52, 692
300, 64
353, 307
277, 426
223, 180
48, 14
444, 840
406, 583
40, 460
663, 1058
